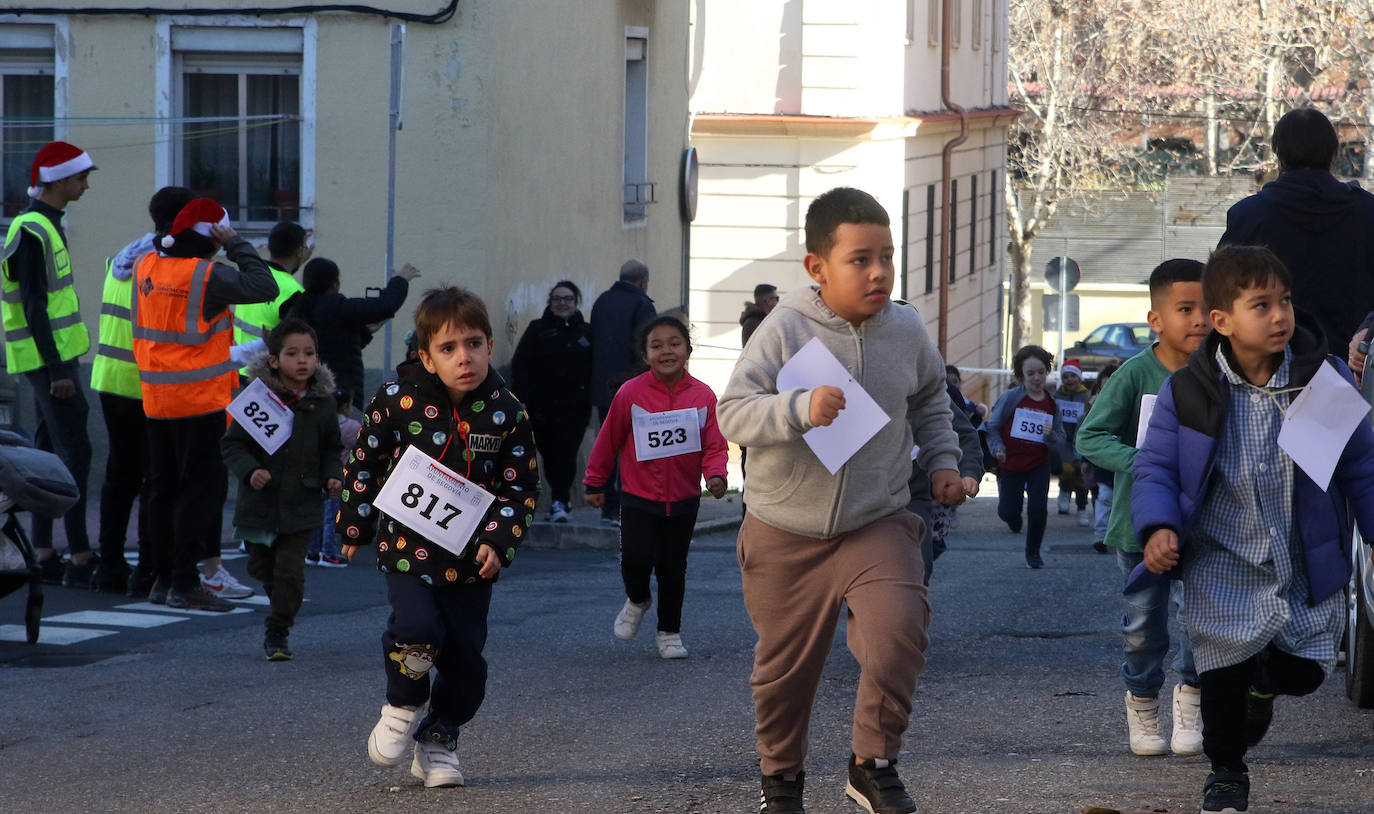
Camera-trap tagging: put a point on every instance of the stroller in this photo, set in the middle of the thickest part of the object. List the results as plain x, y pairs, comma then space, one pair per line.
34, 481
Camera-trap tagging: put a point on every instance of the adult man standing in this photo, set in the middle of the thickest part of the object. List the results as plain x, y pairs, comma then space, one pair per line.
765, 297
287, 250
44, 337
617, 316
1319, 227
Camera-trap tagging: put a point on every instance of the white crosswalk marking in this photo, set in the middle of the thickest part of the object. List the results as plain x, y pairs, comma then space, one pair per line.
115, 619
163, 610
53, 635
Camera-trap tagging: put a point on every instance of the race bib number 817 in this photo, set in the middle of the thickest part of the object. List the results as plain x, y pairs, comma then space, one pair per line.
433, 500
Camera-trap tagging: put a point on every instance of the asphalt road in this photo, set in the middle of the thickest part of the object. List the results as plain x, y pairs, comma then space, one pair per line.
1019, 709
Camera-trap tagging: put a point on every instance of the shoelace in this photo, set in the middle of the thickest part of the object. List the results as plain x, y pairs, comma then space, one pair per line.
1225, 786
1189, 713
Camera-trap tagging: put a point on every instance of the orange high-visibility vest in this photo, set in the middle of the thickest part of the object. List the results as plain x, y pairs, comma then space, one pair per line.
184, 368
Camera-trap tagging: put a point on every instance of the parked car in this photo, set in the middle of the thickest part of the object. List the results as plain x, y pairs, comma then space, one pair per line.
1359, 604
1114, 342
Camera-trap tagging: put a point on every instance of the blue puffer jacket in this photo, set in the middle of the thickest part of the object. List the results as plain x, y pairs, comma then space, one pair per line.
1174, 467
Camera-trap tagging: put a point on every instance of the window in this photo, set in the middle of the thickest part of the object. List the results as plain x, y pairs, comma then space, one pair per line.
1142, 334
639, 191
953, 230
993, 192
956, 22
906, 241
975, 36
933, 22
930, 238
973, 226
27, 107
237, 103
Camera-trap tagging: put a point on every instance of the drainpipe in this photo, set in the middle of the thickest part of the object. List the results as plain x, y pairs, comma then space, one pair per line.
946, 172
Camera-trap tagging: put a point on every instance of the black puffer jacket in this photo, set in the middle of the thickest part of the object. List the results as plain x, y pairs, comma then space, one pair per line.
486, 440
341, 324
552, 367
292, 501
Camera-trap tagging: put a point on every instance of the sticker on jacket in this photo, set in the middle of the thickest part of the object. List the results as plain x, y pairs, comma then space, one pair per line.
262, 415
433, 500
665, 434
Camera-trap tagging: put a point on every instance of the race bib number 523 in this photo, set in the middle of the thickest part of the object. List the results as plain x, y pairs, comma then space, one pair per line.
661, 435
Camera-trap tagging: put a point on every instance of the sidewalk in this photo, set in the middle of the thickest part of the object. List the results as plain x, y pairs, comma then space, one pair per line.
584, 528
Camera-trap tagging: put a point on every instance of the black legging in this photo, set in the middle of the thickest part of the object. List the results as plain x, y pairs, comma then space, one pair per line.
1224, 694
558, 441
651, 543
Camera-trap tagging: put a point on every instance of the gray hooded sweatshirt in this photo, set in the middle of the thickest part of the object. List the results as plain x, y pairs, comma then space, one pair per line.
894, 360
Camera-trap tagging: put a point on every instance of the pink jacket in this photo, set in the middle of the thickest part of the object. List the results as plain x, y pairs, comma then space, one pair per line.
665, 480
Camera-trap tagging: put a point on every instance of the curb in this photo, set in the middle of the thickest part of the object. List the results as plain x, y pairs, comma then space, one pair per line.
548, 536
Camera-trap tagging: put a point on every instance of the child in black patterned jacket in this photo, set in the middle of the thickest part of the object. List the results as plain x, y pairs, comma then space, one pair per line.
452, 406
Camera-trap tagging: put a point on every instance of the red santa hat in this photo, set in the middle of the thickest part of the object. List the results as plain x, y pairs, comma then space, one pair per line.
57, 160
198, 216
1071, 366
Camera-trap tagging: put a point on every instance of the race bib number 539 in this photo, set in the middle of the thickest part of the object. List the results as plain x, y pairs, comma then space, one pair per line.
1031, 425
433, 500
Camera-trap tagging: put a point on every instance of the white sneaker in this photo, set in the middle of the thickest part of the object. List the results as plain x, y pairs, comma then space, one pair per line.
627, 621
1187, 736
1085, 518
670, 645
437, 766
223, 585
559, 512
1142, 719
392, 735
1065, 501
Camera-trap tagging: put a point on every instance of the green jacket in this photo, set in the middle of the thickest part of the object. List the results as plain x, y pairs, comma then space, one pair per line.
1106, 438
293, 500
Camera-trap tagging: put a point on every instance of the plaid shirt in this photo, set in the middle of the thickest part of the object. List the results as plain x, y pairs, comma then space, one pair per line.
1244, 578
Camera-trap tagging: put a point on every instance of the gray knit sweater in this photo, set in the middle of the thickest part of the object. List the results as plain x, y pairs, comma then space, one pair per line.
893, 358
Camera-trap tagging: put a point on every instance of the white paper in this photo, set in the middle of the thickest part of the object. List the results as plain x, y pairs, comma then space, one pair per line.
813, 366
1031, 425
258, 410
665, 434
433, 500
1071, 412
1147, 409
1319, 422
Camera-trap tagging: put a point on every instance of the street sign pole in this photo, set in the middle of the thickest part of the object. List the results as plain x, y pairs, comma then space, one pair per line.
398, 45
1063, 303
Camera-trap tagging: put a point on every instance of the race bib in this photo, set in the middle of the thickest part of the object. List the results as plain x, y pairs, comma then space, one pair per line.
266, 419
433, 500
1071, 412
663, 435
1031, 425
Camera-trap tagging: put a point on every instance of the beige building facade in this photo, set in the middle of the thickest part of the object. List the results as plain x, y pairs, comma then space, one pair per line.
791, 98
536, 144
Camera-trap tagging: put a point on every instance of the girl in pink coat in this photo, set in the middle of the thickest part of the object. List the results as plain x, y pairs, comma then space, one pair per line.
662, 428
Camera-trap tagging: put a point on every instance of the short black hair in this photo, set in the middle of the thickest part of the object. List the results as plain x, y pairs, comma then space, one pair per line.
319, 275
288, 327
955, 370
343, 398
1304, 139
665, 319
571, 286
285, 239
1178, 270
1030, 352
764, 289
164, 206
840, 205
1232, 269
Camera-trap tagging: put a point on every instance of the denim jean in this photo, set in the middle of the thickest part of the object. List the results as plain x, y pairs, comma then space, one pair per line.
1145, 633
1103, 511
324, 540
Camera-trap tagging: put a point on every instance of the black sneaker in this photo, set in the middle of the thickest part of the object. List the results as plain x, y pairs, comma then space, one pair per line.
111, 578
877, 787
1014, 525
1100, 547
782, 796
1259, 712
274, 644
79, 576
1226, 792
141, 582
198, 598
158, 593
1034, 562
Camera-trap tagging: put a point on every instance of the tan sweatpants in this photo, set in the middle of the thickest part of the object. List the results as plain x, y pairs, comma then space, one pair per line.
793, 590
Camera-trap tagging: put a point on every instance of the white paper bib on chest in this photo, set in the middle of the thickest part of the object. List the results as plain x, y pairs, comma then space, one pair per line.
435, 501
665, 434
1071, 412
1031, 425
265, 418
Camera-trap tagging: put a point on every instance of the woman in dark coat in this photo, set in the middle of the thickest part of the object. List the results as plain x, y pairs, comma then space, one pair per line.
551, 373
346, 324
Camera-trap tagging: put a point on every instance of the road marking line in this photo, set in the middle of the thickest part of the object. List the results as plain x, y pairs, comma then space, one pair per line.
53, 635
115, 619
163, 609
